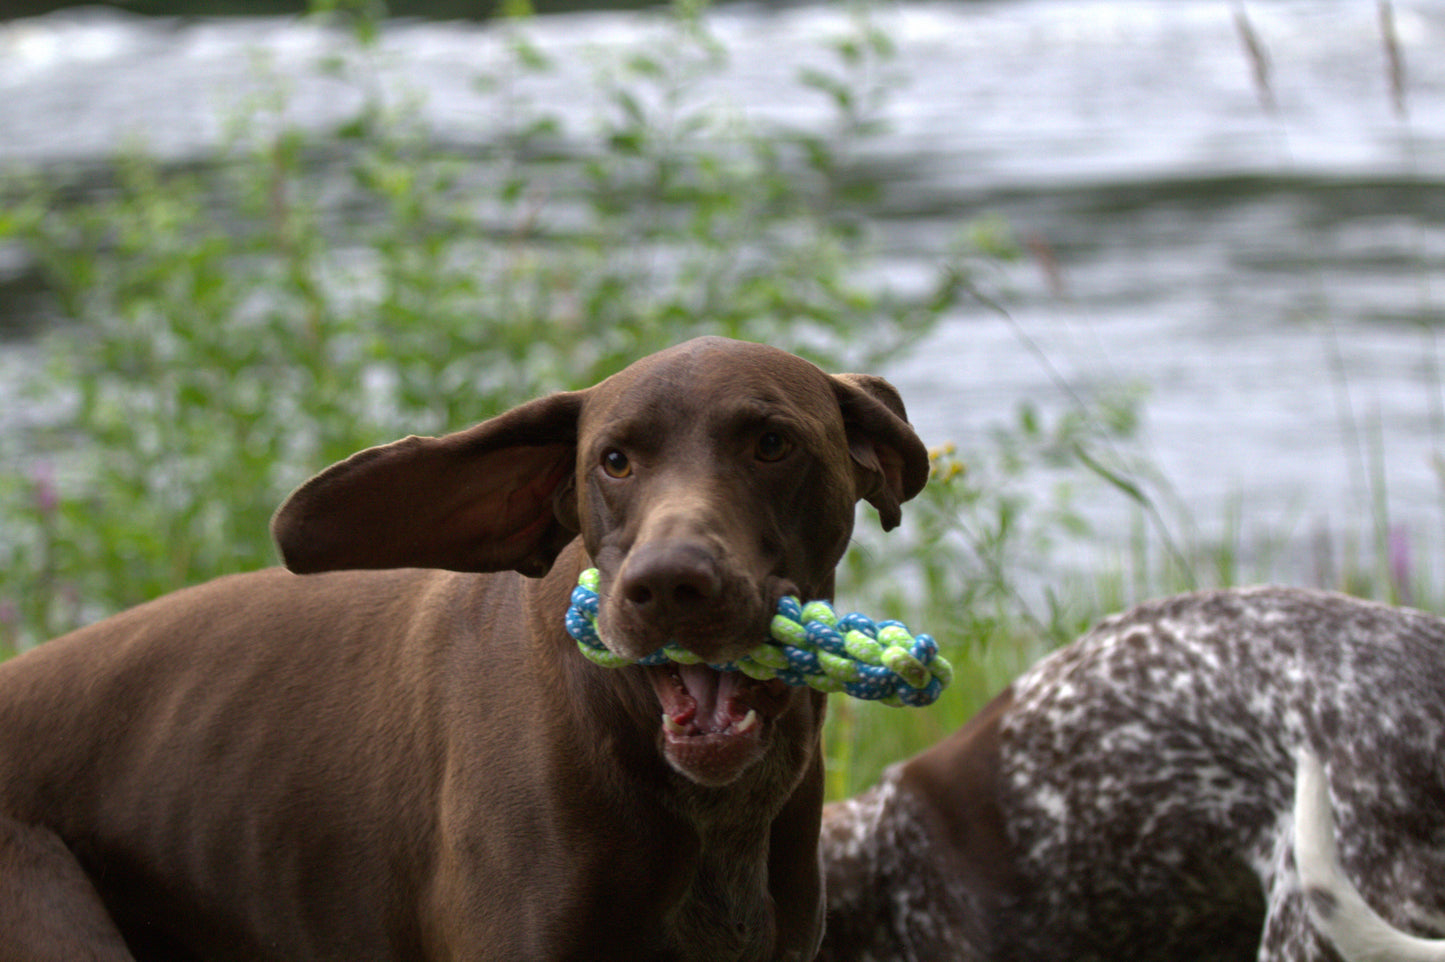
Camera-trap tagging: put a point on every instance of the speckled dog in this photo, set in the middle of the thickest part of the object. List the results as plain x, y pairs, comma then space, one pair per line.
1133, 797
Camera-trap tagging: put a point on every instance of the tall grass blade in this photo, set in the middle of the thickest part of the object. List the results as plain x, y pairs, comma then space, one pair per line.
1394, 59
1258, 56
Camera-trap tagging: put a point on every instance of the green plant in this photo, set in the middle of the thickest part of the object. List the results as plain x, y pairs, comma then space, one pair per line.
223, 329
973, 566
227, 328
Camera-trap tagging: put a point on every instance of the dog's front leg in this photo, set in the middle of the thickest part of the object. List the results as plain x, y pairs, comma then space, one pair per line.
49, 911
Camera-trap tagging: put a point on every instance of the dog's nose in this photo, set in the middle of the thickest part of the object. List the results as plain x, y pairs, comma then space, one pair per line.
670, 582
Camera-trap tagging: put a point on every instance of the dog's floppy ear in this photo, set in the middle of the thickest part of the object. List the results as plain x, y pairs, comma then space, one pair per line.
890, 463
490, 498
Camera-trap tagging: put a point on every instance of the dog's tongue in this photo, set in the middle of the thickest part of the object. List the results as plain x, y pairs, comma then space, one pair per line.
712, 693
710, 701
713, 721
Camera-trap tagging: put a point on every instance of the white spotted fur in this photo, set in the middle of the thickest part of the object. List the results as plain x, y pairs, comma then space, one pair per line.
1146, 777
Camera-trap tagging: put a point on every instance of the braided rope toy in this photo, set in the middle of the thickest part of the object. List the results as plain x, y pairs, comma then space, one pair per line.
810, 645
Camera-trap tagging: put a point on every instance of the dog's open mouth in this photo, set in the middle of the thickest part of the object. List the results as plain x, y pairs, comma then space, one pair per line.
714, 723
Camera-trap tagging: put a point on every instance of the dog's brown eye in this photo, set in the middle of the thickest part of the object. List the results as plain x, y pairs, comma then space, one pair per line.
772, 446
615, 463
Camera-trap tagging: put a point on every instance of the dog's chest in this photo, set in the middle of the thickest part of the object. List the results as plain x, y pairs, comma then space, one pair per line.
725, 914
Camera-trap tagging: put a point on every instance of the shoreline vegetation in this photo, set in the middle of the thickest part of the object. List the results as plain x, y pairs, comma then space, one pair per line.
424, 9
223, 329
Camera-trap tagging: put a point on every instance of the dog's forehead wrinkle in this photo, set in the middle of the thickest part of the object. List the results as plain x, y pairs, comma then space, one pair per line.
691, 419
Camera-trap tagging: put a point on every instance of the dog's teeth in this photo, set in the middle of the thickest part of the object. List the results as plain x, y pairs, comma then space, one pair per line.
672, 726
749, 722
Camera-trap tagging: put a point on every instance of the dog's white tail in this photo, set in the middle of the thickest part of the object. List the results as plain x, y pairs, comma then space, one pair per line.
1339, 914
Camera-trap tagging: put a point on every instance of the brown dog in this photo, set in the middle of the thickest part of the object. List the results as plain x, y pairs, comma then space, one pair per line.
417, 763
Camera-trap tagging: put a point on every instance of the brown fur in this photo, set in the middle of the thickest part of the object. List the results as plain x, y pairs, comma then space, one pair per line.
415, 762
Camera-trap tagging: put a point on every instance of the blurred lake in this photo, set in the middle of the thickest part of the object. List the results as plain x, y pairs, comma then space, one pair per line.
1263, 261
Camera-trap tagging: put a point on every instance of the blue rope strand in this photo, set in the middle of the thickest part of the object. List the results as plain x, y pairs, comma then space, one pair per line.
810, 645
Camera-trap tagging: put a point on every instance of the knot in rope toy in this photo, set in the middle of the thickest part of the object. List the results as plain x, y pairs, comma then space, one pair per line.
810, 645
